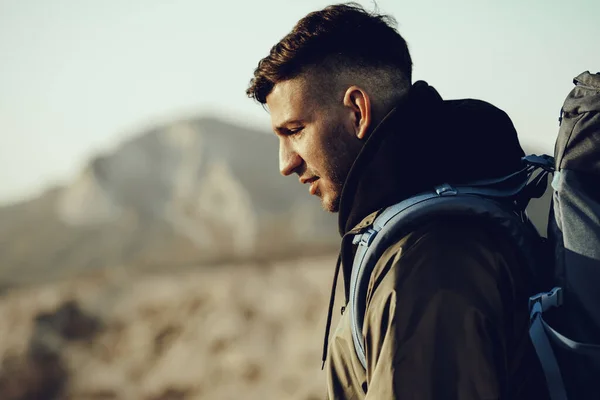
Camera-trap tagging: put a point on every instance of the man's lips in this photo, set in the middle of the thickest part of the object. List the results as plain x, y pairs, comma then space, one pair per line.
313, 187
313, 184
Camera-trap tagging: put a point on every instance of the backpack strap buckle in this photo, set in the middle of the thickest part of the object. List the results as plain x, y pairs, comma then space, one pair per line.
365, 238
542, 302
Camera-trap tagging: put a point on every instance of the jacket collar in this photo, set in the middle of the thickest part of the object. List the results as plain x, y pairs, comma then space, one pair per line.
423, 142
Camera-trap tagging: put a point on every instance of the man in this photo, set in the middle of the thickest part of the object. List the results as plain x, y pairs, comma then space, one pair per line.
446, 310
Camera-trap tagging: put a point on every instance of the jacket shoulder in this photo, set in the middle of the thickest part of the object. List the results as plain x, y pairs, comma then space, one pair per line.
442, 251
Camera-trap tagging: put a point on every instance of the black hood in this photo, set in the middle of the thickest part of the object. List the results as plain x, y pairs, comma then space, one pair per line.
423, 142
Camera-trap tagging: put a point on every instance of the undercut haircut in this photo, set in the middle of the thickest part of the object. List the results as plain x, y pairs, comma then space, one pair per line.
342, 40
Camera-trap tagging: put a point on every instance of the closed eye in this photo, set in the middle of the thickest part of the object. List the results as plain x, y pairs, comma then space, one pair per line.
293, 131
283, 131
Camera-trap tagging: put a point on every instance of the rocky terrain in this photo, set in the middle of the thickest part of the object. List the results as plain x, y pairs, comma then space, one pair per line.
220, 333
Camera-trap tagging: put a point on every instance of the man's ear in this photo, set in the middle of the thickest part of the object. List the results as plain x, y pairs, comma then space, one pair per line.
359, 103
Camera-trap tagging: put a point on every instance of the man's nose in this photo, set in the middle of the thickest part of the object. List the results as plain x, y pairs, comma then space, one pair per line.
289, 160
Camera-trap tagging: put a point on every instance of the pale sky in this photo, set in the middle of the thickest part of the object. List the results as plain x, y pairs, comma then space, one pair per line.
79, 76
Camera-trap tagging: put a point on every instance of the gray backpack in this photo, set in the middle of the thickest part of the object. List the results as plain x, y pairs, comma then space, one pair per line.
565, 321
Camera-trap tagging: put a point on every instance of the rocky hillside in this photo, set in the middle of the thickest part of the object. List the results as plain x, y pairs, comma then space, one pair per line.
193, 192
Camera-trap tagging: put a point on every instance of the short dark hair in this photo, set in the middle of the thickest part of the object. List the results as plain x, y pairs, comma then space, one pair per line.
339, 36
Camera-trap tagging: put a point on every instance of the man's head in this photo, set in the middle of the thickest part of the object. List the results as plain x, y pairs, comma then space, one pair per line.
327, 84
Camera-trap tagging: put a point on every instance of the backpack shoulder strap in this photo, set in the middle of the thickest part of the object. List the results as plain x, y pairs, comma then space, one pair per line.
492, 200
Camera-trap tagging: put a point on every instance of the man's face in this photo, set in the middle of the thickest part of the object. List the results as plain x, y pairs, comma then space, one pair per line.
316, 138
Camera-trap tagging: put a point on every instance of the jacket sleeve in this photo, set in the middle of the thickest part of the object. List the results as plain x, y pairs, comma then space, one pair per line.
434, 322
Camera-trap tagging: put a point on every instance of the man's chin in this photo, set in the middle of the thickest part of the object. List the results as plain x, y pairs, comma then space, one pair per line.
331, 205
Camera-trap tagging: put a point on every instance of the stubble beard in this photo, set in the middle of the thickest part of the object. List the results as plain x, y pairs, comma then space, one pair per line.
341, 152
332, 204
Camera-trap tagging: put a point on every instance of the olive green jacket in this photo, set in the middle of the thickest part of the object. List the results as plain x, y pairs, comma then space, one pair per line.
446, 318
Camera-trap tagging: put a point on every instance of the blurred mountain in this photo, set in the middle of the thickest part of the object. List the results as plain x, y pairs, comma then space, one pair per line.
192, 192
